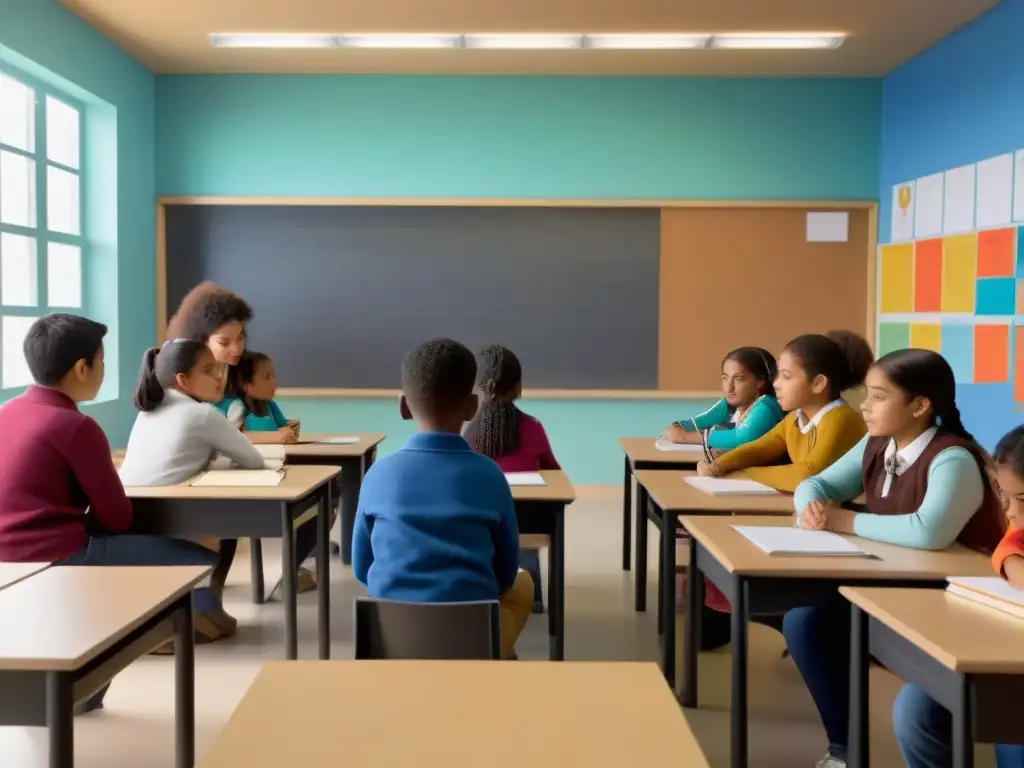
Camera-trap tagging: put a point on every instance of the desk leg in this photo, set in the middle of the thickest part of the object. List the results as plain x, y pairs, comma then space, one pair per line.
323, 571
627, 510
556, 588
691, 631
351, 481
859, 739
60, 719
740, 620
661, 575
256, 570
640, 552
963, 720
667, 596
289, 578
184, 688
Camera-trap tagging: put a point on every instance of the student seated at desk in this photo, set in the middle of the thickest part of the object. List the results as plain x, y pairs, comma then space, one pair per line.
517, 442
60, 497
436, 522
748, 410
923, 727
926, 487
177, 432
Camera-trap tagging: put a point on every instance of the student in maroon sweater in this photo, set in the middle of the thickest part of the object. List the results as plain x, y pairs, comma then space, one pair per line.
61, 500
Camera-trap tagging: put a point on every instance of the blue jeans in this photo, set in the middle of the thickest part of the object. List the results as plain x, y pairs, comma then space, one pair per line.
924, 731
818, 638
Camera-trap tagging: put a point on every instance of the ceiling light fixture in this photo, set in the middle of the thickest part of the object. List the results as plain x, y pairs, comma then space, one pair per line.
779, 41
399, 41
524, 41
641, 42
272, 40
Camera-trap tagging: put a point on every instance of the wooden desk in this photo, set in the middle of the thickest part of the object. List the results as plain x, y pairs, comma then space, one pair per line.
12, 573
465, 714
232, 513
65, 633
354, 460
641, 454
541, 509
758, 583
667, 495
966, 656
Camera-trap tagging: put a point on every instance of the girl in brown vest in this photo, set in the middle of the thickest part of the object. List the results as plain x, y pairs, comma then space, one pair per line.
925, 482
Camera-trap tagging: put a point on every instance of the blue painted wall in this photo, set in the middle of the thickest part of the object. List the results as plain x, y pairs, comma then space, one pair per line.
52, 44
518, 137
958, 102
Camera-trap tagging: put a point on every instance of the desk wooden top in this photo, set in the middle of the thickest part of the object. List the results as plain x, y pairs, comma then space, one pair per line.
438, 714
670, 491
642, 449
556, 488
740, 556
961, 635
298, 482
367, 442
12, 573
63, 616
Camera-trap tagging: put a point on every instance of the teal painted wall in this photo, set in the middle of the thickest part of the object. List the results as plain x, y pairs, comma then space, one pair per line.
391, 136
54, 45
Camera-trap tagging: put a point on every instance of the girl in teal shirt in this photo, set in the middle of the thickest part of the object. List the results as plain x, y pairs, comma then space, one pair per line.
748, 410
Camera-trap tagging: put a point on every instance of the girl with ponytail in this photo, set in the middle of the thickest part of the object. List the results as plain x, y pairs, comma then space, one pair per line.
926, 486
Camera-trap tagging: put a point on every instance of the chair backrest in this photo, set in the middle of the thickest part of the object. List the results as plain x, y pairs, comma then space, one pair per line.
389, 629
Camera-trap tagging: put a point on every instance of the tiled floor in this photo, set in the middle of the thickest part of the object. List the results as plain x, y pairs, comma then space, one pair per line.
136, 728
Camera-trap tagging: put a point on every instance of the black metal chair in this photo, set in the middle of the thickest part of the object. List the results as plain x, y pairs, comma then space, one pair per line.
389, 629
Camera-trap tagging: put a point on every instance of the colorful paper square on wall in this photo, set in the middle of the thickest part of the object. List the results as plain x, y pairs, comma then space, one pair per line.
959, 267
995, 252
1018, 364
926, 336
991, 354
1020, 251
892, 336
958, 349
1020, 297
898, 278
928, 276
996, 296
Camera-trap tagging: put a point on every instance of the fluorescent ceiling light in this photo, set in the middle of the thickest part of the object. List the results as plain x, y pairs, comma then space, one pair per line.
399, 41
647, 42
780, 41
260, 40
527, 41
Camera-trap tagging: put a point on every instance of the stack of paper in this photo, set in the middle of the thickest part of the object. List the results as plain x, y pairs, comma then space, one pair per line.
720, 486
524, 478
667, 445
238, 478
340, 440
779, 540
991, 591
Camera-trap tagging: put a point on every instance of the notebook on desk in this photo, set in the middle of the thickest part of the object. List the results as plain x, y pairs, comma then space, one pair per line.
991, 591
788, 541
340, 440
525, 478
239, 478
224, 464
724, 486
668, 446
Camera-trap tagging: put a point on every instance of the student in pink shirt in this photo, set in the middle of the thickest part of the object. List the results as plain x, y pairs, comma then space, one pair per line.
517, 442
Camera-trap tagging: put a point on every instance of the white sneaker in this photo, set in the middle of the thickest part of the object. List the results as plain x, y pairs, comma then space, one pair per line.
830, 761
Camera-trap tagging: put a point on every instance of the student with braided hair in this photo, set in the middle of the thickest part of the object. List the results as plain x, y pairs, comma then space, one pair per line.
926, 487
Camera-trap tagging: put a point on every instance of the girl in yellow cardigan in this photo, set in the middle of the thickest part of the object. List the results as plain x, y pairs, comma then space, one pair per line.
814, 371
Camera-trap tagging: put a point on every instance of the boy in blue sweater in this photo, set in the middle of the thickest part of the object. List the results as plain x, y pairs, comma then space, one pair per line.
436, 522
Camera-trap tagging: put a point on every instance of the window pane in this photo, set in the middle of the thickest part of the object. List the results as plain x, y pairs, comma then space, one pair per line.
17, 114
18, 276
17, 190
63, 275
15, 371
62, 133
62, 211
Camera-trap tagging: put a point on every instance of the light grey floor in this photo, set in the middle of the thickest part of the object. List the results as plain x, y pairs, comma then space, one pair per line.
136, 728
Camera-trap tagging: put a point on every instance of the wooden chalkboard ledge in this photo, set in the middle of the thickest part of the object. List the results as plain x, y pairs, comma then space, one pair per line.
534, 394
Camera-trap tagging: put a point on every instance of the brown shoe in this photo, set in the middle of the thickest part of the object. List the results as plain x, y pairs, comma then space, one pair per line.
226, 624
205, 631
305, 581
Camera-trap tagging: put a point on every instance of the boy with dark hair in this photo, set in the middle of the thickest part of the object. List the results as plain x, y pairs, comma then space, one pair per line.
436, 522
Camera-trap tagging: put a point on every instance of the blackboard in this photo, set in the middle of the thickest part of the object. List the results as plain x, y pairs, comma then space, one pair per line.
341, 293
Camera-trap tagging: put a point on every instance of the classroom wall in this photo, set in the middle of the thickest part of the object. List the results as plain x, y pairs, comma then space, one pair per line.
955, 104
539, 137
54, 45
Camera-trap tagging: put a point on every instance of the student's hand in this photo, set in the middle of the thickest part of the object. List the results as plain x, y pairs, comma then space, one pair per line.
707, 470
813, 516
287, 435
676, 434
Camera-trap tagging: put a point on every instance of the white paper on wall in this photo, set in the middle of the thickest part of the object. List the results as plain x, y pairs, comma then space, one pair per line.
902, 212
995, 192
928, 206
958, 200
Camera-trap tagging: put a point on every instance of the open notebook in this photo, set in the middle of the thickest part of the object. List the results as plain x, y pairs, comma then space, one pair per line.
991, 591
524, 478
669, 447
223, 463
723, 486
238, 478
340, 440
790, 541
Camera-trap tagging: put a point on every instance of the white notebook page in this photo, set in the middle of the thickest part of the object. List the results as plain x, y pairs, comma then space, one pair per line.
787, 540
993, 586
721, 486
238, 478
524, 478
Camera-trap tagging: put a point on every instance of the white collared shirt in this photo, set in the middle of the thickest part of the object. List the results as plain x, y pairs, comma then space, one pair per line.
807, 425
898, 462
